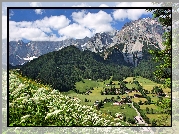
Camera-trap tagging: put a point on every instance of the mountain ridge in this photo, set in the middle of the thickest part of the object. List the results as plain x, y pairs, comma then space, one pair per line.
132, 36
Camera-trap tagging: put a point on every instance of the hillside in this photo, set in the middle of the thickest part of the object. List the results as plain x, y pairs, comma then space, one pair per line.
63, 68
39, 105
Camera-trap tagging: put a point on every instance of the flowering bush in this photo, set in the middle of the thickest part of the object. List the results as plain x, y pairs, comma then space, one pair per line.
33, 104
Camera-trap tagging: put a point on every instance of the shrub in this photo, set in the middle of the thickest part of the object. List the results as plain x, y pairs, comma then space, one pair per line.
32, 104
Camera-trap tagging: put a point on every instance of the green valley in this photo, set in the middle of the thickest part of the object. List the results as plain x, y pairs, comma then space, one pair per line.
120, 91
90, 92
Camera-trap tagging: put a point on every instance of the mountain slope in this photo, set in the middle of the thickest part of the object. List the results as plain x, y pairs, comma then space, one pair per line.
63, 68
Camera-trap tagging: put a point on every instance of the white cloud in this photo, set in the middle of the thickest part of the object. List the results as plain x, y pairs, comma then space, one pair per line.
54, 22
103, 5
36, 30
134, 14
98, 22
38, 11
120, 14
29, 33
75, 31
131, 14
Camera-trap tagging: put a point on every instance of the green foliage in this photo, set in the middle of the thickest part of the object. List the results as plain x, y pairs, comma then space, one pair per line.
131, 120
62, 69
164, 69
34, 104
147, 110
165, 105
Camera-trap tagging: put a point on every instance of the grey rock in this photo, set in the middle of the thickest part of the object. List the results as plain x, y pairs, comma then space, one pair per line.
133, 34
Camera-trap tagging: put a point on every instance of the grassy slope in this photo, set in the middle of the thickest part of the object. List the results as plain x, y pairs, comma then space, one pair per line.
128, 111
33, 90
147, 84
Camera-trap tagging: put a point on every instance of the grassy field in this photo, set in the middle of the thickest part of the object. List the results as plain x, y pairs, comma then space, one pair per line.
146, 83
82, 86
155, 116
96, 95
128, 111
143, 107
128, 79
138, 99
130, 86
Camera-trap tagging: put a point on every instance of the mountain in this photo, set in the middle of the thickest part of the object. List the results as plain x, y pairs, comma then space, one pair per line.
135, 38
63, 68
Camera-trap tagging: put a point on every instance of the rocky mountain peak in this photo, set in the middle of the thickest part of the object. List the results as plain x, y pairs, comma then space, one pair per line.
133, 38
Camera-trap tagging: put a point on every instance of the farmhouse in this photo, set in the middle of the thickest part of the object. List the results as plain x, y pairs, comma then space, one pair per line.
96, 103
116, 103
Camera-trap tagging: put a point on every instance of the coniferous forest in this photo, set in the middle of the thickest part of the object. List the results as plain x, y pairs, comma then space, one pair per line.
62, 69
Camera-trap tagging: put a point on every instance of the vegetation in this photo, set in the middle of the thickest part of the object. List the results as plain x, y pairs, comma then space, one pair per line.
55, 68
87, 76
34, 104
164, 69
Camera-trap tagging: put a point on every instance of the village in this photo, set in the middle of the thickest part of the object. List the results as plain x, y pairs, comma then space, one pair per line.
130, 100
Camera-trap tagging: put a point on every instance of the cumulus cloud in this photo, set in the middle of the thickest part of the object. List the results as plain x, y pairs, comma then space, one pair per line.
75, 31
37, 4
54, 22
36, 30
97, 22
131, 14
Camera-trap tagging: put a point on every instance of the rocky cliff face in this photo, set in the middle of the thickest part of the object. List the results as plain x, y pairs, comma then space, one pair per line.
132, 39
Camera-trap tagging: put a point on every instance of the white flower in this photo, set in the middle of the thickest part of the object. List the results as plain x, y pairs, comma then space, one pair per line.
26, 116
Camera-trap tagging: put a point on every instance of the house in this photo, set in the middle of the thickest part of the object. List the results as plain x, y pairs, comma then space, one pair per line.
96, 103
116, 103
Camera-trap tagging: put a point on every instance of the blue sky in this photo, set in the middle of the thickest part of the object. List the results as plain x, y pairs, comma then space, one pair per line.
60, 24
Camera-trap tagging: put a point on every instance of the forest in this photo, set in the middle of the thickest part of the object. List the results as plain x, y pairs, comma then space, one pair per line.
62, 69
